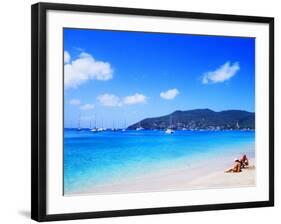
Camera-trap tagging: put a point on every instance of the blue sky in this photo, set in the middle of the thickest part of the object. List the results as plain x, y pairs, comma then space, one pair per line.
115, 78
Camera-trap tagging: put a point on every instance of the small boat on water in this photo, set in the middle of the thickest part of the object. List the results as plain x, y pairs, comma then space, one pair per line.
93, 129
124, 129
79, 124
96, 129
139, 128
169, 131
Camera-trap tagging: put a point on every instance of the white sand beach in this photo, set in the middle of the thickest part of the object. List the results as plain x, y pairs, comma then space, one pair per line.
209, 174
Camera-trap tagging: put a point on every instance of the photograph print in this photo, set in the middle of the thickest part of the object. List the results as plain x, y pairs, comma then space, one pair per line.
155, 112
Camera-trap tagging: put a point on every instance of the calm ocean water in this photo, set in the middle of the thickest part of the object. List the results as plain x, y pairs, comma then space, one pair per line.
91, 159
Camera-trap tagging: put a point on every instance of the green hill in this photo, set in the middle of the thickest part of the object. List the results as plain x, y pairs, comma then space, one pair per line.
199, 119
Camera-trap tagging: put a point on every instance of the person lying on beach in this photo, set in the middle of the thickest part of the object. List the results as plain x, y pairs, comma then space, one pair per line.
244, 161
236, 168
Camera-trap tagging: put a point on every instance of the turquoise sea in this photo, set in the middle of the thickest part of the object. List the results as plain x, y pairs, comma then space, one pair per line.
92, 159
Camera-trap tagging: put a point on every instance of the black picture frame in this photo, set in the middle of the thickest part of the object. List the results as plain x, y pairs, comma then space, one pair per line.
39, 107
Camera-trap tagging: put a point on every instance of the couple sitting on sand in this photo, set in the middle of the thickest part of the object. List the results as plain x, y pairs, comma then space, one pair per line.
243, 162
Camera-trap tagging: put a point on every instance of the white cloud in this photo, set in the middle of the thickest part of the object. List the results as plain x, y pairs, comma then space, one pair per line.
134, 99
85, 68
169, 94
109, 100
223, 73
74, 102
66, 57
87, 107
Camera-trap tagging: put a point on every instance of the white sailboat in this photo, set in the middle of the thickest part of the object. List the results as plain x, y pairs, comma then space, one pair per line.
79, 125
140, 127
101, 128
124, 129
170, 130
95, 128
113, 126
237, 125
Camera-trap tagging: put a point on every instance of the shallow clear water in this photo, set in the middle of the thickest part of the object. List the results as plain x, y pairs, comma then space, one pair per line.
91, 159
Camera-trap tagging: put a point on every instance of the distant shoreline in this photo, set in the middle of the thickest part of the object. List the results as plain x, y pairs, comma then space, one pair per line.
122, 129
197, 119
200, 119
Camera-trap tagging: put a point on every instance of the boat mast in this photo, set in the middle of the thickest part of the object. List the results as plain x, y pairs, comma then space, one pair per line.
79, 122
171, 121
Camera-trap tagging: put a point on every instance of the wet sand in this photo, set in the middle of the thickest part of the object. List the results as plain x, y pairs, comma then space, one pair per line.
205, 175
